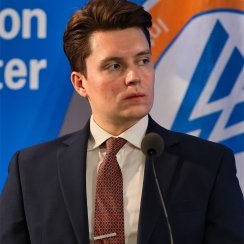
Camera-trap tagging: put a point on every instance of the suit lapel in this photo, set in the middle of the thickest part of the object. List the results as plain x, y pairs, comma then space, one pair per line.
151, 207
72, 177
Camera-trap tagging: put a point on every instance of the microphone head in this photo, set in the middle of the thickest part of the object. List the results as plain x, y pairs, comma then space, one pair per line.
152, 144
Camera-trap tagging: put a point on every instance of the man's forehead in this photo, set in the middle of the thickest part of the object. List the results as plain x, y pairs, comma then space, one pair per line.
130, 41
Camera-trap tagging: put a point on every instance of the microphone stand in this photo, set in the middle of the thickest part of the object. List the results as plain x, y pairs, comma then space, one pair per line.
152, 153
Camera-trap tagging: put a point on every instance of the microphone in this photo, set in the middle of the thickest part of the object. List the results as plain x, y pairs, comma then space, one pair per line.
152, 146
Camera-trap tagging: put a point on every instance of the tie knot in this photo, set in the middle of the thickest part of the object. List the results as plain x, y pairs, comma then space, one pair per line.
113, 145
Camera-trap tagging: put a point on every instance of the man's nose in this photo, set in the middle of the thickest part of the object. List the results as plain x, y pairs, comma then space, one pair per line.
132, 76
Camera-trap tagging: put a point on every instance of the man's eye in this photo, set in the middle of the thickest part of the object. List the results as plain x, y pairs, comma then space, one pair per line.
114, 66
144, 61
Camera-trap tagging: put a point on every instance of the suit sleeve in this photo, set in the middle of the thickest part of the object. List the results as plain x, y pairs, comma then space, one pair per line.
225, 215
13, 227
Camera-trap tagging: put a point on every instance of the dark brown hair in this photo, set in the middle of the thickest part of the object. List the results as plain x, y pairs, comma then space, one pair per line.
100, 15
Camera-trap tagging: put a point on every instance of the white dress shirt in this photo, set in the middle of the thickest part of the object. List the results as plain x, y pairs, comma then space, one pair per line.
132, 163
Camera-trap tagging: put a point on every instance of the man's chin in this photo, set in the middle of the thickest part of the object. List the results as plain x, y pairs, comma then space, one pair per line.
135, 114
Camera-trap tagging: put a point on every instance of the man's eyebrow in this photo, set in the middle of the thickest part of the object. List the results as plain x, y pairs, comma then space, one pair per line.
115, 58
146, 52
109, 59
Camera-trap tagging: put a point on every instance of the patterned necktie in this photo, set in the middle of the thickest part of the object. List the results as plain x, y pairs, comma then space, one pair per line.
109, 210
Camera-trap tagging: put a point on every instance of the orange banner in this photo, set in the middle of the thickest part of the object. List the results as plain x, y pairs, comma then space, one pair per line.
170, 16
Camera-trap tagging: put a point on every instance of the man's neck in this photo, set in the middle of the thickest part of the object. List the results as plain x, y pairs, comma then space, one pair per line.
114, 128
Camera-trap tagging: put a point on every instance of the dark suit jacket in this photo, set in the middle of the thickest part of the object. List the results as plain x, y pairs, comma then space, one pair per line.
44, 199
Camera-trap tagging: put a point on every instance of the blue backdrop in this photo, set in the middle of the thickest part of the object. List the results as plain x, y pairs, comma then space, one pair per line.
35, 88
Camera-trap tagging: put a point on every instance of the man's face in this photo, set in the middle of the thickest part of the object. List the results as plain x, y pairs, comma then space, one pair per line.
120, 77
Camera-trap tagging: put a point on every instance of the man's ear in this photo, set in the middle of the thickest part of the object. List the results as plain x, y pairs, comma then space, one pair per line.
78, 81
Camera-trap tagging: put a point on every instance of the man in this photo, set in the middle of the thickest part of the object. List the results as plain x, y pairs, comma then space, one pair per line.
50, 195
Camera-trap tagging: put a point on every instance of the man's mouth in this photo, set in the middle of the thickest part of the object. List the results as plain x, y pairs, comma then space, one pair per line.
134, 96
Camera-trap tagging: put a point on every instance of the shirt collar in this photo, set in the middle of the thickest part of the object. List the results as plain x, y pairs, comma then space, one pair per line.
133, 135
